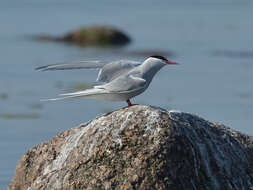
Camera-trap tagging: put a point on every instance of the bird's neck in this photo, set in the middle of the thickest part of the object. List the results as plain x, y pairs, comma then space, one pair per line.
149, 69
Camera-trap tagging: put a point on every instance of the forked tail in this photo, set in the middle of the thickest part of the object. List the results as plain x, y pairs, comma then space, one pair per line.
92, 93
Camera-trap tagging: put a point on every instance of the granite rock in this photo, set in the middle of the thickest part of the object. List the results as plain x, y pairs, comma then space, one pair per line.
140, 147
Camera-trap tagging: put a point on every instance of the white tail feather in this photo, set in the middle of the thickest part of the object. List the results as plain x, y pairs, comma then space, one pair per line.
79, 94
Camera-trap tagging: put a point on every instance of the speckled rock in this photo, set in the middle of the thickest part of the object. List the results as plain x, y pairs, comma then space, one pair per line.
140, 147
90, 36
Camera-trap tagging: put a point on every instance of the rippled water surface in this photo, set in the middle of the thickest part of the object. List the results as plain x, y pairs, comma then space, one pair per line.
211, 39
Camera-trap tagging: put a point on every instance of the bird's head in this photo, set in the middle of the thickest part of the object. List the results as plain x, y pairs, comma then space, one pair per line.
153, 64
162, 59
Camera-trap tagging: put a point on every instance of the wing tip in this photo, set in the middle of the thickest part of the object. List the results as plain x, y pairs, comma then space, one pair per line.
42, 68
71, 65
47, 100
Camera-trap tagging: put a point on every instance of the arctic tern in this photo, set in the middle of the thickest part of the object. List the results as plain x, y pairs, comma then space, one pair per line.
122, 80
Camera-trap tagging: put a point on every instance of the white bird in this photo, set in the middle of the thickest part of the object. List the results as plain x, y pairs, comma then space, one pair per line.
122, 79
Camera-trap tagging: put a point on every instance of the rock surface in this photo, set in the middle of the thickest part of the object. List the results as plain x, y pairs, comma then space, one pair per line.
140, 147
91, 36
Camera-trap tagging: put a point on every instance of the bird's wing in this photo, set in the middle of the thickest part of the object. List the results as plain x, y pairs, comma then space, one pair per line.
124, 83
73, 65
108, 70
115, 69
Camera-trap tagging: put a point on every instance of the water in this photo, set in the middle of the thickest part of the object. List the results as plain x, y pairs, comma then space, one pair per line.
215, 86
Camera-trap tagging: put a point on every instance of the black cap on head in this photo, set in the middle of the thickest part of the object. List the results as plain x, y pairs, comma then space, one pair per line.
159, 57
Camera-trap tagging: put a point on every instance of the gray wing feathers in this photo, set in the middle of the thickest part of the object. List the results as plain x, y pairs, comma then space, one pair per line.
115, 69
73, 65
108, 70
125, 84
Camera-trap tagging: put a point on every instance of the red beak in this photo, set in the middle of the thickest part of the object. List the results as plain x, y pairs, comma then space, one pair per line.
171, 63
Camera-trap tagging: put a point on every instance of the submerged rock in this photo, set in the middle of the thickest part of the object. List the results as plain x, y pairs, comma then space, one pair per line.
91, 36
19, 116
3, 96
140, 147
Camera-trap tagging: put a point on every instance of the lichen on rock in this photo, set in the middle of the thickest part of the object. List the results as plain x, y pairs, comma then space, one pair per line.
140, 147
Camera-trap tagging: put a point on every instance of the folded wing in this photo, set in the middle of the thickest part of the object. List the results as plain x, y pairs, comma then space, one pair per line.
124, 84
121, 85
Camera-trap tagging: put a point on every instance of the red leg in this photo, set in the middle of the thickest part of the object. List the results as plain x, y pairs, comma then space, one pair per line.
129, 103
